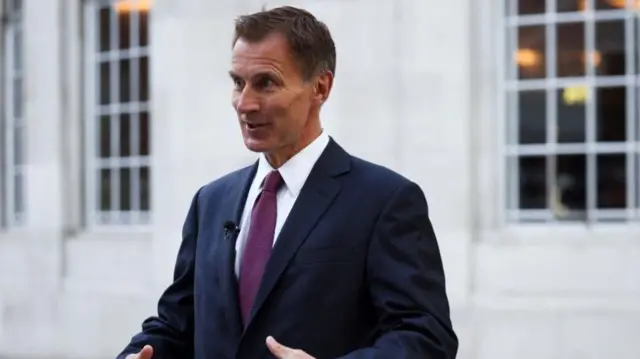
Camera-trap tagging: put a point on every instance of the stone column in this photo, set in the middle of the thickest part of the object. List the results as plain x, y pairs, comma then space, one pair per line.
40, 238
196, 137
44, 113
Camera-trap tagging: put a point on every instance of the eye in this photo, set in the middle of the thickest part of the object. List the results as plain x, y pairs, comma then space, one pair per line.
264, 83
238, 83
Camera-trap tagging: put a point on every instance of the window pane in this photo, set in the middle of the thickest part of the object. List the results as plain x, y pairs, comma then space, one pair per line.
571, 5
105, 190
16, 5
570, 186
18, 193
531, 53
144, 28
636, 22
610, 56
637, 179
144, 79
609, 4
125, 189
18, 145
125, 80
528, 7
105, 136
124, 29
533, 182
145, 133
637, 121
17, 49
571, 115
532, 126
611, 114
17, 97
145, 188
125, 135
105, 83
570, 49
104, 42
612, 181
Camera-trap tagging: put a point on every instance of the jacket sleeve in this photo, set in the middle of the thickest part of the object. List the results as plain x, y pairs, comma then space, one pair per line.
407, 284
170, 333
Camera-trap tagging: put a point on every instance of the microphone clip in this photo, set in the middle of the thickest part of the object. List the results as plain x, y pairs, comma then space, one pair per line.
230, 229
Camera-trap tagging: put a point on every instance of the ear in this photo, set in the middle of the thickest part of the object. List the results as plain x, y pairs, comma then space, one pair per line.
323, 85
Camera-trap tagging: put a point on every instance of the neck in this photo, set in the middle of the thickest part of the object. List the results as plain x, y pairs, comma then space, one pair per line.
282, 155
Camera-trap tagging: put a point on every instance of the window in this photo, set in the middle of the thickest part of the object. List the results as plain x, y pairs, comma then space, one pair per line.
118, 138
13, 150
572, 96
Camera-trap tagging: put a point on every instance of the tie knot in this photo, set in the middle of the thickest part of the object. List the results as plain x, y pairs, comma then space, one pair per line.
272, 182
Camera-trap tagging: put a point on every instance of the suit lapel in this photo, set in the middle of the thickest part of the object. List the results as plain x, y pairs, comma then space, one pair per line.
317, 194
233, 205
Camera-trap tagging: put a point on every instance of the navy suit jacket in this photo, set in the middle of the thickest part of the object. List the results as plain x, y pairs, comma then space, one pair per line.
355, 273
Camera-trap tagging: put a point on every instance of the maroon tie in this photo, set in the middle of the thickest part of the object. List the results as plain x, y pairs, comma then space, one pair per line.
259, 243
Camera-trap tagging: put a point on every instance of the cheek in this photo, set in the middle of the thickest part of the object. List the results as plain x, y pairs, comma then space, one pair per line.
277, 111
287, 112
300, 112
234, 100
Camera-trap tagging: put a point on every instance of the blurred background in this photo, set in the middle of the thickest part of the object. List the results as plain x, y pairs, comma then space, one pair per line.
519, 119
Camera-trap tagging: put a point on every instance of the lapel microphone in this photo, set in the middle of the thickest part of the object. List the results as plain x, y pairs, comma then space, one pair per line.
231, 229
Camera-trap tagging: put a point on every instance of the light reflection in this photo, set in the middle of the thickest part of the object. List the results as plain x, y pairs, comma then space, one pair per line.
621, 4
575, 95
124, 6
596, 58
532, 58
582, 5
528, 58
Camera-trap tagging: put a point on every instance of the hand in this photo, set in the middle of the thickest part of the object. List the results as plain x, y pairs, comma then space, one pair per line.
145, 353
282, 352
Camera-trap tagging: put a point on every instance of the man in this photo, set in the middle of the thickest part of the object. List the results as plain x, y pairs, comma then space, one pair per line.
309, 252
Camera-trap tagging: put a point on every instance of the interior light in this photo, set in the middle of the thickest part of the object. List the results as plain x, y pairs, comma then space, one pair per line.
122, 6
528, 57
575, 95
621, 4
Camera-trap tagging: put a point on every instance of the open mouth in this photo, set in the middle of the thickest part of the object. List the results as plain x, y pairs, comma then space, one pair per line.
253, 126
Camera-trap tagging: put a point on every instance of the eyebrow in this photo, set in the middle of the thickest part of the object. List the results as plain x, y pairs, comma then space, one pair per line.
269, 74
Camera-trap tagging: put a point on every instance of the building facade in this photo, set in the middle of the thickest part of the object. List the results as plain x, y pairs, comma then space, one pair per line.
520, 119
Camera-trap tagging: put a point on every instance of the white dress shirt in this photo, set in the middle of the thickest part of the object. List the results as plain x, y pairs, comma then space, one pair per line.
294, 172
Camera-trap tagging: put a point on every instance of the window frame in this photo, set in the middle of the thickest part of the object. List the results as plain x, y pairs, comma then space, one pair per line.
12, 22
509, 85
3, 201
93, 163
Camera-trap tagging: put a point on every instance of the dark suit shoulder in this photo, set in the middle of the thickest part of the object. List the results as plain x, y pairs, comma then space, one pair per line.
225, 183
383, 178
374, 185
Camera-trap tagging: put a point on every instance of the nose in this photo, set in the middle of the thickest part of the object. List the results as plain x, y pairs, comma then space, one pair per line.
246, 101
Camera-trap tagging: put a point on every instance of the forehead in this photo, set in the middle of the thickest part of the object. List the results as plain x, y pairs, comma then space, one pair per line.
271, 52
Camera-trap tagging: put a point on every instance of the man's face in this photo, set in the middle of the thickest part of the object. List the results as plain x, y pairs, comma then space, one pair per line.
272, 100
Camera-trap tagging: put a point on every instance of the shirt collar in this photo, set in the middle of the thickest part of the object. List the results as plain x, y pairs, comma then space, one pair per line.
295, 171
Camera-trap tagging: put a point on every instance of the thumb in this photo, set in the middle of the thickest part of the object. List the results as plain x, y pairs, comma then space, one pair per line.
146, 352
277, 349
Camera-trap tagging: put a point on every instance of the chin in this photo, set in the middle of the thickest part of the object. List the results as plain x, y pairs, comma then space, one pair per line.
254, 145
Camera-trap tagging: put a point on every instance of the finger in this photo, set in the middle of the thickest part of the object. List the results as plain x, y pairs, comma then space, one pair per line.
277, 349
146, 352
